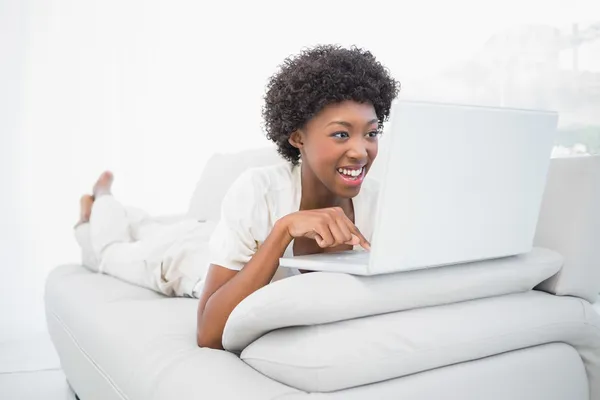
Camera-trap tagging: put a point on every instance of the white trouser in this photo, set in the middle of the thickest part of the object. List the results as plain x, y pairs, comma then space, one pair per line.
170, 258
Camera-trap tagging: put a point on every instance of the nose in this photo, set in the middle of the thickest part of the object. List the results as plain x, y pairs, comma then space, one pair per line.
358, 149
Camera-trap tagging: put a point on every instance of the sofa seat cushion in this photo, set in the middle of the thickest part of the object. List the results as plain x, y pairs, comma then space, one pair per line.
142, 343
320, 297
345, 354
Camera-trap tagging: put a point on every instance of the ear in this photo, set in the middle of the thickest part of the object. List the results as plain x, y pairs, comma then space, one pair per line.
296, 140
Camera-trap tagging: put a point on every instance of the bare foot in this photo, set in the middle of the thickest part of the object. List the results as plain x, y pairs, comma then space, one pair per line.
85, 203
103, 184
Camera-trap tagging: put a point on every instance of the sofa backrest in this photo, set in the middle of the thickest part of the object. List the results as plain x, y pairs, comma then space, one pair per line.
220, 172
222, 169
569, 223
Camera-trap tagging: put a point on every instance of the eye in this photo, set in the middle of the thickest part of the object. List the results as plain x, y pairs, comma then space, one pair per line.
374, 134
341, 135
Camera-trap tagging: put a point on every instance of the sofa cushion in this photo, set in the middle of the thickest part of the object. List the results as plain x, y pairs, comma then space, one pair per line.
549, 372
570, 224
329, 357
322, 297
220, 172
119, 341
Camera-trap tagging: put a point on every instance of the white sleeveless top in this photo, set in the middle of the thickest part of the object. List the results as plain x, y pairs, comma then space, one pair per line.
257, 199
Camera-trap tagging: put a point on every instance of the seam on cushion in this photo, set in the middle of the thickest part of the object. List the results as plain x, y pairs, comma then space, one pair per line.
89, 358
423, 351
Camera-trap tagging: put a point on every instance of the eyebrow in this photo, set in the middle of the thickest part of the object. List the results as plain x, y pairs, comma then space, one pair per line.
349, 125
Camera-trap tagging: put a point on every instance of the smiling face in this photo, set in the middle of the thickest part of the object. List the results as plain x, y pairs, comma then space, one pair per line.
337, 147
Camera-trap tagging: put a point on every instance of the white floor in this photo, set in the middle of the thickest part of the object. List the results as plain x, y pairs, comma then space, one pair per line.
30, 370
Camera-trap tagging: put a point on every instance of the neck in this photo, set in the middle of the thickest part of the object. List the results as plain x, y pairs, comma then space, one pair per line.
316, 195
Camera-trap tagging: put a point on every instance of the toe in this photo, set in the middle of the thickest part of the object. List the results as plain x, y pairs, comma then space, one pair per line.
107, 176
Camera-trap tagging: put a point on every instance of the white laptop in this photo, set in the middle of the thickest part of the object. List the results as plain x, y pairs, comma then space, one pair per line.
458, 184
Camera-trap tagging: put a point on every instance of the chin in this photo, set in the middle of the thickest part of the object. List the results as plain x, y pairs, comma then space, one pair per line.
350, 193
345, 191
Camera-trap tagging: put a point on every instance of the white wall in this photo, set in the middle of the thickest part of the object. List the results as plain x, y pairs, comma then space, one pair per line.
151, 88
19, 301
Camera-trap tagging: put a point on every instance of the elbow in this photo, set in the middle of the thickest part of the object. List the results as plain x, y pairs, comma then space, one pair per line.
209, 342
207, 339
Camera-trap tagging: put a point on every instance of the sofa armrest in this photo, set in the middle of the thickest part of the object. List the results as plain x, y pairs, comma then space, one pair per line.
569, 223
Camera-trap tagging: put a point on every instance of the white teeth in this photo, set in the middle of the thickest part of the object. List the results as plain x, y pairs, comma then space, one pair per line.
350, 172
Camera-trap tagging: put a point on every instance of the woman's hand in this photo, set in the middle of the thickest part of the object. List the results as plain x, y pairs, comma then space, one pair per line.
329, 227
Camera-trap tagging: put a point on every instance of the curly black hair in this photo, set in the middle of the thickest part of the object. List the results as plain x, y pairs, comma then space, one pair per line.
326, 74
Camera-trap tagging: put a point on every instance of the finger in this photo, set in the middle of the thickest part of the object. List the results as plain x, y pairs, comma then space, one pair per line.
354, 240
338, 235
314, 235
355, 232
318, 239
346, 234
362, 240
326, 236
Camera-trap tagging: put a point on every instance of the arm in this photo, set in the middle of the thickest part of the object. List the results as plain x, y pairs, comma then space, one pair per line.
224, 289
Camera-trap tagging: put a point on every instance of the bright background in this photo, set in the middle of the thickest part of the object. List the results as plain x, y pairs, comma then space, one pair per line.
151, 88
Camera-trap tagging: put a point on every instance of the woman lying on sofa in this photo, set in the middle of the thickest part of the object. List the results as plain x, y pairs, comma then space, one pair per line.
324, 109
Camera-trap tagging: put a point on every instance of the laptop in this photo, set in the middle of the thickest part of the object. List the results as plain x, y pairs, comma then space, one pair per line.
458, 184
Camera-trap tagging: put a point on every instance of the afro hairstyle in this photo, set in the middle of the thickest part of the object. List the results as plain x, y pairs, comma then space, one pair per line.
307, 82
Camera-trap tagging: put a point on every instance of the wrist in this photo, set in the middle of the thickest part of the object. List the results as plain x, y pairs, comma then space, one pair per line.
282, 231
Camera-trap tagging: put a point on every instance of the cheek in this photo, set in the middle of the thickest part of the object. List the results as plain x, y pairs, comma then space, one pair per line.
326, 160
320, 152
373, 150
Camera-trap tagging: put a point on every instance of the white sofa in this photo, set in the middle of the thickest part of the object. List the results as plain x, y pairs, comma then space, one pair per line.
473, 331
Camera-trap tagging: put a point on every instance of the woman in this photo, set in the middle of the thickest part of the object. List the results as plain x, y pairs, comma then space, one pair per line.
324, 109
